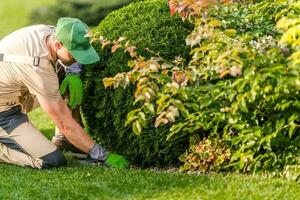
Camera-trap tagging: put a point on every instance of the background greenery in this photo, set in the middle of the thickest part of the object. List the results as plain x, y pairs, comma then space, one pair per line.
15, 13
83, 182
89, 11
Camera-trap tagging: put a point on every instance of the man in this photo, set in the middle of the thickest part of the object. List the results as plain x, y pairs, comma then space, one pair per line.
27, 74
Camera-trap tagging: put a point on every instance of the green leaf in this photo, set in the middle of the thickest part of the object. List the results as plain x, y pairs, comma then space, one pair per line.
279, 124
149, 108
243, 105
162, 99
238, 126
142, 119
175, 129
136, 127
193, 106
179, 104
131, 63
292, 131
230, 32
185, 113
214, 23
131, 116
248, 73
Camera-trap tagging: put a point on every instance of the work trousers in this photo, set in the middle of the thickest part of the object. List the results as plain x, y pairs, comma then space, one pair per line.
21, 143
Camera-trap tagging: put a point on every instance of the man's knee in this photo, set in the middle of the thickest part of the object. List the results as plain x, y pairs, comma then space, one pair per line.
54, 159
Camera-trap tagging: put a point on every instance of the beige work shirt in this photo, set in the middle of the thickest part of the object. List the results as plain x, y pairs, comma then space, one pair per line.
17, 80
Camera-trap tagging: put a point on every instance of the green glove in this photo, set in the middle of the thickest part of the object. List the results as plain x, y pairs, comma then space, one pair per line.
116, 161
74, 85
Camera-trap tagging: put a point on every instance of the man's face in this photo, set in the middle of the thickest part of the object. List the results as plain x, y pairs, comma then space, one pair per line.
64, 55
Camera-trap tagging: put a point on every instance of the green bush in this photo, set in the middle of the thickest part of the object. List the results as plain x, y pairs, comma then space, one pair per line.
248, 87
241, 88
91, 12
147, 25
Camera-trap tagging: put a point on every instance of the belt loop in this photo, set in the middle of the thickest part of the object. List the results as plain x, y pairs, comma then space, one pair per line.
36, 61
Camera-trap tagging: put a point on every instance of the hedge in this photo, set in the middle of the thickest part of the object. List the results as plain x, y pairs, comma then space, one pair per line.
147, 25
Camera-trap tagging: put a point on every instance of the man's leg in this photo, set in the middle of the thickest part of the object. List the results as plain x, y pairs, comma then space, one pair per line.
9, 155
26, 146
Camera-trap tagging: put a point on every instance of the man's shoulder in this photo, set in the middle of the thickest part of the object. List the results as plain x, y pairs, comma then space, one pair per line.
27, 41
40, 28
35, 30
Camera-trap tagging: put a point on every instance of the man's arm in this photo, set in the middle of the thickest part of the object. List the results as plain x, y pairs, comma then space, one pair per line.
62, 117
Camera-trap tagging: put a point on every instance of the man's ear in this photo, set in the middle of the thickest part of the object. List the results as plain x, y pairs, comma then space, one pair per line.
58, 45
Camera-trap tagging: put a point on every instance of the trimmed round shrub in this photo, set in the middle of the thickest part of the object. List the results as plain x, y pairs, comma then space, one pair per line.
146, 24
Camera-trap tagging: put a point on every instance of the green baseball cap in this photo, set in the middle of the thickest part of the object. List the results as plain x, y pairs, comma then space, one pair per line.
73, 33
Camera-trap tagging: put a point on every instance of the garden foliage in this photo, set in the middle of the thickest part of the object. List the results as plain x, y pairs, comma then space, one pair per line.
146, 25
206, 156
241, 86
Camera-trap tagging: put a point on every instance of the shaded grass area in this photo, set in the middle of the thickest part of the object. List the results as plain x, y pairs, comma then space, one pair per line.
83, 182
42, 122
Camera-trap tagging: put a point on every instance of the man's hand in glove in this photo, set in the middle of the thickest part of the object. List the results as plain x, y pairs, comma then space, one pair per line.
73, 83
99, 154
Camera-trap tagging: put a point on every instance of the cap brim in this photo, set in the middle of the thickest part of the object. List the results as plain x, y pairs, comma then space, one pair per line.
87, 56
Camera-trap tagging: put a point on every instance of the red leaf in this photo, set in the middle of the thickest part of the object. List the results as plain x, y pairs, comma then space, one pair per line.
173, 6
115, 47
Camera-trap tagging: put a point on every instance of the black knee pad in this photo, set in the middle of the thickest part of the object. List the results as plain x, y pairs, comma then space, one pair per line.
54, 159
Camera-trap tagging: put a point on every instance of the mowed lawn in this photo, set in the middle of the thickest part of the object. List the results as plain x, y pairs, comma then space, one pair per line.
94, 182
79, 182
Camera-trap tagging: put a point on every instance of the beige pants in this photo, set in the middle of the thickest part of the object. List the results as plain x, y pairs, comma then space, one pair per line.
25, 145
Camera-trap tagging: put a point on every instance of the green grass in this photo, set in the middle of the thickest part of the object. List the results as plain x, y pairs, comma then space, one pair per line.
81, 182
87, 182
15, 13
94, 182
43, 122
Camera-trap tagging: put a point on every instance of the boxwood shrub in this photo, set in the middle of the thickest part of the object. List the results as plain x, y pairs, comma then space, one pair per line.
146, 24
